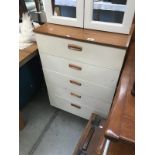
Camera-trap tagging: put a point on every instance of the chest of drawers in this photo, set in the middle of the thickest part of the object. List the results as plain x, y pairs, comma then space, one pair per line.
81, 77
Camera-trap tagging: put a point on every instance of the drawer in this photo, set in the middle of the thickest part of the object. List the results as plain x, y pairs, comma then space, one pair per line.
54, 79
102, 56
97, 75
80, 98
74, 108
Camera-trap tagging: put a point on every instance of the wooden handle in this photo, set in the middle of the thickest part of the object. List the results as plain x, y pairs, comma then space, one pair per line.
76, 106
75, 67
76, 95
75, 82
88, 138
74, 47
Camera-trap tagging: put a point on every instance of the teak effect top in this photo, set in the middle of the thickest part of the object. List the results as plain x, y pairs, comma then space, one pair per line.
27, 54
121, 120
85, 35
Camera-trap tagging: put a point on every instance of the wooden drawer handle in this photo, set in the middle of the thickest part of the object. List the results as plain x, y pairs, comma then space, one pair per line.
75, 67
76, 106
88, 138
74, 47
75, 82
76, 95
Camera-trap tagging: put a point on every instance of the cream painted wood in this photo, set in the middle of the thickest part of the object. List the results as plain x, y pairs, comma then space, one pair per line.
111, 27
54, 79
97, 55
101, 76
64, 104
77, 22
82, 99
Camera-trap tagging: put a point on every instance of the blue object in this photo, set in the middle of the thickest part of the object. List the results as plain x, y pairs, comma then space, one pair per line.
108, 16
67, 11
30, 79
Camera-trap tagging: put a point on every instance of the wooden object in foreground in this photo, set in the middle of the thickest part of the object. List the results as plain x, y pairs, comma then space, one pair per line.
91, 141
121, 148
120, 124
121, 121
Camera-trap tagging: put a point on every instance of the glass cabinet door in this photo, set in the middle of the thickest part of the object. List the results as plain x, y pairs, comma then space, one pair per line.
65, 12
109, 15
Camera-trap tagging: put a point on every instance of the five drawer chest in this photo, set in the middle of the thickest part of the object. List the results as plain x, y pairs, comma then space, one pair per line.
81, 67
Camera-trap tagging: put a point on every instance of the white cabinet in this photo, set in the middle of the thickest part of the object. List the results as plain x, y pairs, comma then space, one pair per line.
105, 15
109, 15
64, 12
81, 77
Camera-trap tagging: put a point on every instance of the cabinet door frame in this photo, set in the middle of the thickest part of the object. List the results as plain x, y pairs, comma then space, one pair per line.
124, 27
76, 22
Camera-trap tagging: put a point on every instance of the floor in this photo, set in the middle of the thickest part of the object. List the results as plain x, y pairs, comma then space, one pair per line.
48, 130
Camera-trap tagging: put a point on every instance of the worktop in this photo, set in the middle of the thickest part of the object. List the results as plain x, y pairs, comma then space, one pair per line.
27, 54
85, 35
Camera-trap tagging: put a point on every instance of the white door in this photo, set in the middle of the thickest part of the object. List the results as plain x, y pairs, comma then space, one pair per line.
109, 15
64, 12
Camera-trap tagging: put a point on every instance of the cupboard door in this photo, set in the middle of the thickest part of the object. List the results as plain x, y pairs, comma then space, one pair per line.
109, 15
65, 12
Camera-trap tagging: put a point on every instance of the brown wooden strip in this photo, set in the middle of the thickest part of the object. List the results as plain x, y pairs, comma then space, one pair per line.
121, 148
121, 121
27, 54
91, 140
85, 35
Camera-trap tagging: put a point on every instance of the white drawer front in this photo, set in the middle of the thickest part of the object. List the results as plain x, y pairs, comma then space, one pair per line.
98, 55
80, 98
57, 79
66, 105
100, 76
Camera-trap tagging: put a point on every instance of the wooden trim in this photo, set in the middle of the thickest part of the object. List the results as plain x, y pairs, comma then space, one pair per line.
74, 94
121, 148
75, 105
74, 47
75, 82
121, 120
88, 139
75, 67
92, 140
85, 35
27, 54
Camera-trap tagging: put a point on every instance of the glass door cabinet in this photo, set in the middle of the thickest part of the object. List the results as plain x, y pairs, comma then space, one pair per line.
104, 15
109, 15
64, 12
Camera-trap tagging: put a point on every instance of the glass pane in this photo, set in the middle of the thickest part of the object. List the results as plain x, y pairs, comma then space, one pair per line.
65, 8
109, 10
